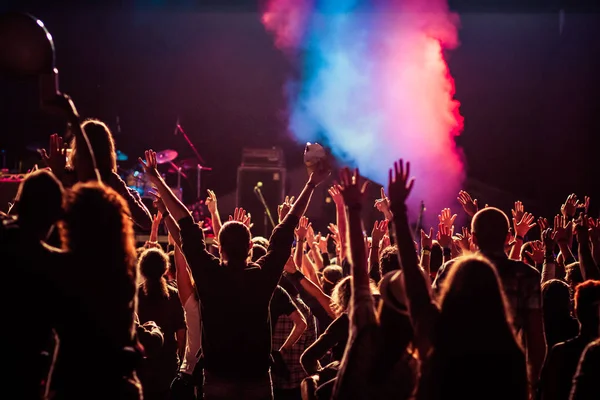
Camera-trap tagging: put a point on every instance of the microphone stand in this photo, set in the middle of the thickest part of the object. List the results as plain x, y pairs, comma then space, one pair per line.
268, 215
198, 156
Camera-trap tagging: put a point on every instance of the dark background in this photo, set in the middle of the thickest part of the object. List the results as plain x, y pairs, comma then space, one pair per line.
528, 93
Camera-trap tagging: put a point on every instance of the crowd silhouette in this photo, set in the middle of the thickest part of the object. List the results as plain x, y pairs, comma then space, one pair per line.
509, 308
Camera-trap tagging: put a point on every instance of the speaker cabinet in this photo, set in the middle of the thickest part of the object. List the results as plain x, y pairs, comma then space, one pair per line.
270, 181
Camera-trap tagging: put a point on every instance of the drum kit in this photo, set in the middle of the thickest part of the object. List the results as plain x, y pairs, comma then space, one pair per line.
136, 179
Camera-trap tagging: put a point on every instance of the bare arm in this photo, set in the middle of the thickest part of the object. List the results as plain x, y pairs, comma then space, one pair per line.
426, 243
185, 282
181, 342
299, 327
340, 216
310, 287
170, 223
175, 207
589, 269
211, 203
416, 285
358, 358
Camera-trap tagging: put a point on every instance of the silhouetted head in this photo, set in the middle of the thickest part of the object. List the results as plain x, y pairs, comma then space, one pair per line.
257, 252
490, 229
573, 275
340, 296
474, 314
332, 274
556, 300
96, 229
39, 202
388, 260
235, 242
587, 303
261, 240
153, 265
394, 318
103, 144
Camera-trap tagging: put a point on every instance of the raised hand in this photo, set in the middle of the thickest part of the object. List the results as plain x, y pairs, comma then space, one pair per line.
385, 241
582, 228
399, 186
156, 219
446, 217
383, 205
334, 230
464, 240
537, 252
543, 224
302, 229
378, 232
150, 165
444, 236
426, 240
310, 236
518, 211
158, 202
569, 208
523, 225
239, 215
321, 243
549, 239
468, 204
211, 202
57, 159
563, 230
352, 193
285, 208
336, 195
594, 230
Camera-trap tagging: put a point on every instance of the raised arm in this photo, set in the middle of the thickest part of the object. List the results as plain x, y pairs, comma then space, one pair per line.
549, 266
426, 243
564, 235
139, 213
358, 358
185, 282
280, 242
297, 278
175, 207
522, 223
589, 269
211, 204
192, 240
417, 287
170, 223
340, 215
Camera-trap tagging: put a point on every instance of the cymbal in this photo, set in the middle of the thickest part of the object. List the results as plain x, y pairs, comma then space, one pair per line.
191, 163
122, 156
188, 164
165, 156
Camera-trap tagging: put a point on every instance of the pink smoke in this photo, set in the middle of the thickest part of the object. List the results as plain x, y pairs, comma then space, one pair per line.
377, 87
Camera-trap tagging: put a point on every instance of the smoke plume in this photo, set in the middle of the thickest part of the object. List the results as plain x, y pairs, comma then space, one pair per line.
374, 86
